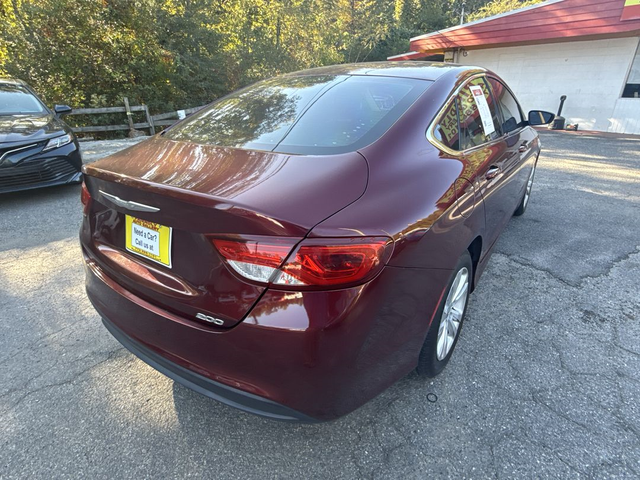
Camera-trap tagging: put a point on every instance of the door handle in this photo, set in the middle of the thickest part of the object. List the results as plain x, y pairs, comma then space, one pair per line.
492, 172
524, 147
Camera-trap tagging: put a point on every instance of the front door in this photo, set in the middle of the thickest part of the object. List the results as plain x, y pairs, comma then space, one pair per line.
521, 140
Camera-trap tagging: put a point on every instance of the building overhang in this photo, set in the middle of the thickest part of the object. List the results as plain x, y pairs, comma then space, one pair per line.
551, 22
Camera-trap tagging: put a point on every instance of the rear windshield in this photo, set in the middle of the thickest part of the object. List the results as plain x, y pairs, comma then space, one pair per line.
17, 99
305, 114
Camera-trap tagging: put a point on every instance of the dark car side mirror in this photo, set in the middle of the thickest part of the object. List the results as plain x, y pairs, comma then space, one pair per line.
62, 110
540, 117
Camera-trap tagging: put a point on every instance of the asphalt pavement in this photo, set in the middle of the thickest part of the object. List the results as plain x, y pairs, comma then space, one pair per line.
544, 383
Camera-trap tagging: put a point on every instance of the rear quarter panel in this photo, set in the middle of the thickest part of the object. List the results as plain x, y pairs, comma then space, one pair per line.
423, 198
427, 202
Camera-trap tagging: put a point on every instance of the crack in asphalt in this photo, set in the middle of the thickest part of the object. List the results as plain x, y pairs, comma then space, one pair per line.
613, 264
67, 381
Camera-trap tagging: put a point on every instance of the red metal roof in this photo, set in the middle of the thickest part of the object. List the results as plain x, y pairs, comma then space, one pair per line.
551, 22
631, 10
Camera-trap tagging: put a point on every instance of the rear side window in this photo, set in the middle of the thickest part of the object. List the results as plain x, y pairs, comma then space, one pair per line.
512, 116
446, 130
304, 114
479, 120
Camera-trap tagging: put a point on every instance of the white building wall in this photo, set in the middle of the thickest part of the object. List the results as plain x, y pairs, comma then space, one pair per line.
591, 73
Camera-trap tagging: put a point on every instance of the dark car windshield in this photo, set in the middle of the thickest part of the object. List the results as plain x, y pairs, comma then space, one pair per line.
18, 99
303, 114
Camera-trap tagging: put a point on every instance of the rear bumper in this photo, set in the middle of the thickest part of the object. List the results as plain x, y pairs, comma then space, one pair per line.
229, 396
307, 357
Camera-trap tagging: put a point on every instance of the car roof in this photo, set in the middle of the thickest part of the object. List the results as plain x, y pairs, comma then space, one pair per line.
12, 81
407, 69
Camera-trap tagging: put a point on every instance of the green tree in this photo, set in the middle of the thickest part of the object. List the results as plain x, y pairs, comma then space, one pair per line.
175, 54
500, 6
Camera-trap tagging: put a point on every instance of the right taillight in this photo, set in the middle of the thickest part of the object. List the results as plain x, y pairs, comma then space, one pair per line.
85, 198
313, 263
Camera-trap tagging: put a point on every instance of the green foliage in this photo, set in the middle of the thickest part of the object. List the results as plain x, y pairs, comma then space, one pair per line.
174, 54
500, 6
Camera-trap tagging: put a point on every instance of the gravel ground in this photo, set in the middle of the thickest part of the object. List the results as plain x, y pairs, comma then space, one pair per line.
545, 381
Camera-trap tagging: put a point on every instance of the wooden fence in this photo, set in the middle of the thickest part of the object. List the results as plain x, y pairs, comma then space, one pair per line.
152, 121
165, 119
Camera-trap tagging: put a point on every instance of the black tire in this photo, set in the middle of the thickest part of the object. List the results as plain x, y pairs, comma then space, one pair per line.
429, 364
527, 193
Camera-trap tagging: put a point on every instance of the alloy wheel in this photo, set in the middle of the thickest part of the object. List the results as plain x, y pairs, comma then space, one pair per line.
452, 313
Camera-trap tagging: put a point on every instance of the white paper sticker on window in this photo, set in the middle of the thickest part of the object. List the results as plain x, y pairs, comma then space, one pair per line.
483, 107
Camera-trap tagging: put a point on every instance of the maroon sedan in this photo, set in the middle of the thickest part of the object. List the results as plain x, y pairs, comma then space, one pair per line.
296, 247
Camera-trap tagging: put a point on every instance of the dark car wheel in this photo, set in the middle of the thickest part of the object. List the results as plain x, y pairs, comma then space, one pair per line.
527, 194
447, 323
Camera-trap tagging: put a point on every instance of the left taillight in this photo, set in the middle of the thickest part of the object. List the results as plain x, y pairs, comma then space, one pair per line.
310, 264
85, 198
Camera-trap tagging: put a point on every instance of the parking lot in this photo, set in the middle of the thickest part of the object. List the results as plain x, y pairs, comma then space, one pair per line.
545, 381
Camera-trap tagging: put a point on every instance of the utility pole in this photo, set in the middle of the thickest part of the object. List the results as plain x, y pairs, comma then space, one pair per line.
462, 12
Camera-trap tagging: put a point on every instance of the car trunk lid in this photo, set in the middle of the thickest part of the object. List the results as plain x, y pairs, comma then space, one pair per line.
199, 191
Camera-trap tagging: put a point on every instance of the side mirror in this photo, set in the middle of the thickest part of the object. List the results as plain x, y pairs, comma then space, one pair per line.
62, 110
540, 117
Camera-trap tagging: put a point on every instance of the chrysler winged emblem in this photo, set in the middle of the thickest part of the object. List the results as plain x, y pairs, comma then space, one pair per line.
139, 207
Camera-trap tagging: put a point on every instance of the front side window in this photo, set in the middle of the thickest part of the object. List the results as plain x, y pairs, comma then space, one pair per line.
304, 114
479, 120
16, 99
632, 87
512, 116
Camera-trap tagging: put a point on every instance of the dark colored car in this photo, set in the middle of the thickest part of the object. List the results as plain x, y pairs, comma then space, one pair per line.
37, 149
298, 246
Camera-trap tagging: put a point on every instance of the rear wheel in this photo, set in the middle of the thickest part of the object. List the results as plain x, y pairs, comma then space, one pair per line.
527, 194
445, 329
